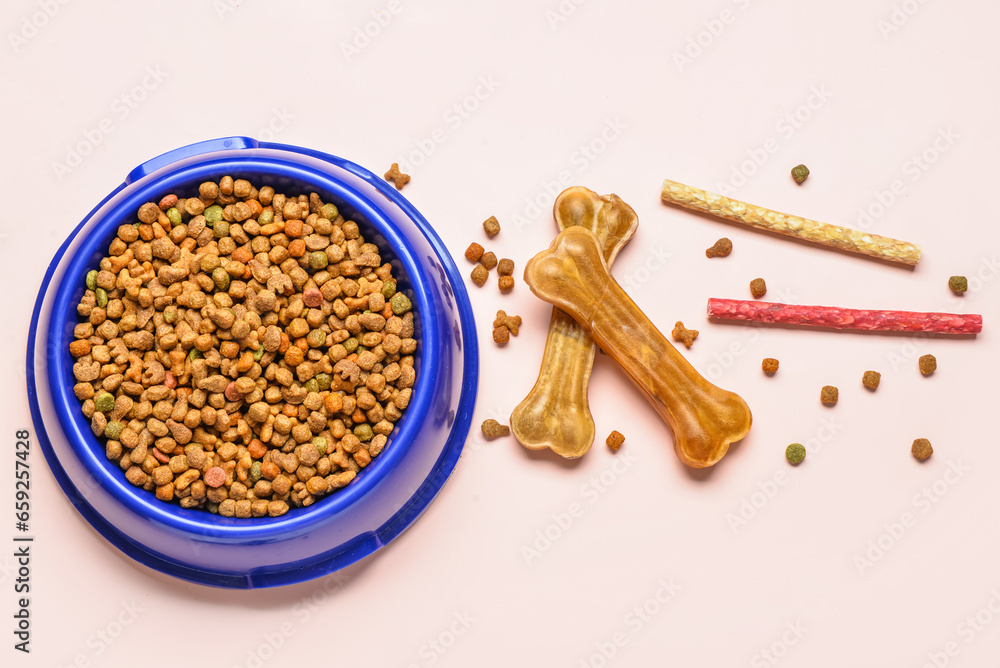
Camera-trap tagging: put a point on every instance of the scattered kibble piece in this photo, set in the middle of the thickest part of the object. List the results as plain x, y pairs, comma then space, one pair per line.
958, 283
758, 288
493, 429
488, 260
505, 267
928, 364
722, 248
922, 449
795, 453
505, 283
871, 379
501, 335
479, 275
492, 226
829, 395
615, 440
473, 252
769, 365
398, 178
512, 323
800, 173
681, 333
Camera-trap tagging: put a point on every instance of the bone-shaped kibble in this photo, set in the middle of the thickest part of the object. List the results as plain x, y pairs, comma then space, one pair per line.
556, 413
573, 276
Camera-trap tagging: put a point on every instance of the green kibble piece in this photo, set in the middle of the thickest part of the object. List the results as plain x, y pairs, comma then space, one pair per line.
316, 338
400, 303
257, 354
169, 314
320, 443
221, 229
350, 345
388, 289
318, 260
255, 472
195, 354
102, 297
364, 432
221, 278
958, 283
113, 430
329, 211
795, 453
312, 385
213, 214
800, 173
104, 402
265, 217
174, 216
323, 379
92, 279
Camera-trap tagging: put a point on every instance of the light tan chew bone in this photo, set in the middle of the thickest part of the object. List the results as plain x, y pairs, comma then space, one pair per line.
556, 413
573, 276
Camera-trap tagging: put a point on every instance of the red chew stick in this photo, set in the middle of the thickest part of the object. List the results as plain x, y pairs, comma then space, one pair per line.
844, 318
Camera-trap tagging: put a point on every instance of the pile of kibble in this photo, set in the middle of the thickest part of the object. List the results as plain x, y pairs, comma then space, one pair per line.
242, 351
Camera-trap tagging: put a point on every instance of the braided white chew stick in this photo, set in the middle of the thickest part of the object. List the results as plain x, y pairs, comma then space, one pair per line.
844, 238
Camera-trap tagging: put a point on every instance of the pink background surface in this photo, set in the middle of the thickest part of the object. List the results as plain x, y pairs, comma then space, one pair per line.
494, 109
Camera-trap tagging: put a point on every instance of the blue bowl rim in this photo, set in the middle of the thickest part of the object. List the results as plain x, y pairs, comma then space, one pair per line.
361, 545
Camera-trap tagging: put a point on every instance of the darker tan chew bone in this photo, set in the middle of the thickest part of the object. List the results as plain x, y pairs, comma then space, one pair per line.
573, 276
556, 413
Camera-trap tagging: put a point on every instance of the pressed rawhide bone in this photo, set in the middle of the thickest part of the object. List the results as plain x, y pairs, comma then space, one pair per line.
843, 238
573, 276
844, 318
556, 413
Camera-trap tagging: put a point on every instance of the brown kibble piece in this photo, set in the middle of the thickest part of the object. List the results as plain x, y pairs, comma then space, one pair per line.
615, 440
492, 226
829, 395
721, 248
505, 267
928, 364
312, 298
921, 449
510, 322
505, 283
758, 288
473, 252
488, 260
398, 178
769, 365
681, 333
501, 334
479, 275
493, 429
871, 379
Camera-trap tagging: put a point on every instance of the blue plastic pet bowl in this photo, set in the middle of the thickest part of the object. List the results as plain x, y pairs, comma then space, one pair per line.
382, 501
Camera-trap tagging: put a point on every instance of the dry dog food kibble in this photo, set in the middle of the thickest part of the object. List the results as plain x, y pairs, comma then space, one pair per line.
398, 178
681, 333
769, 365
829, 395
871, 379
501, 334
795, 453
721, 248
243, 351
928, 364
491, 226
958, 283
758, 288
493, 429
488, 260
473, 252
921, 449
800, 173
479, 275
505, 283
512, 323
615, 440
505, 267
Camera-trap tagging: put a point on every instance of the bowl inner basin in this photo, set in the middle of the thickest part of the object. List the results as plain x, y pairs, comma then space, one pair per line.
285, 177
